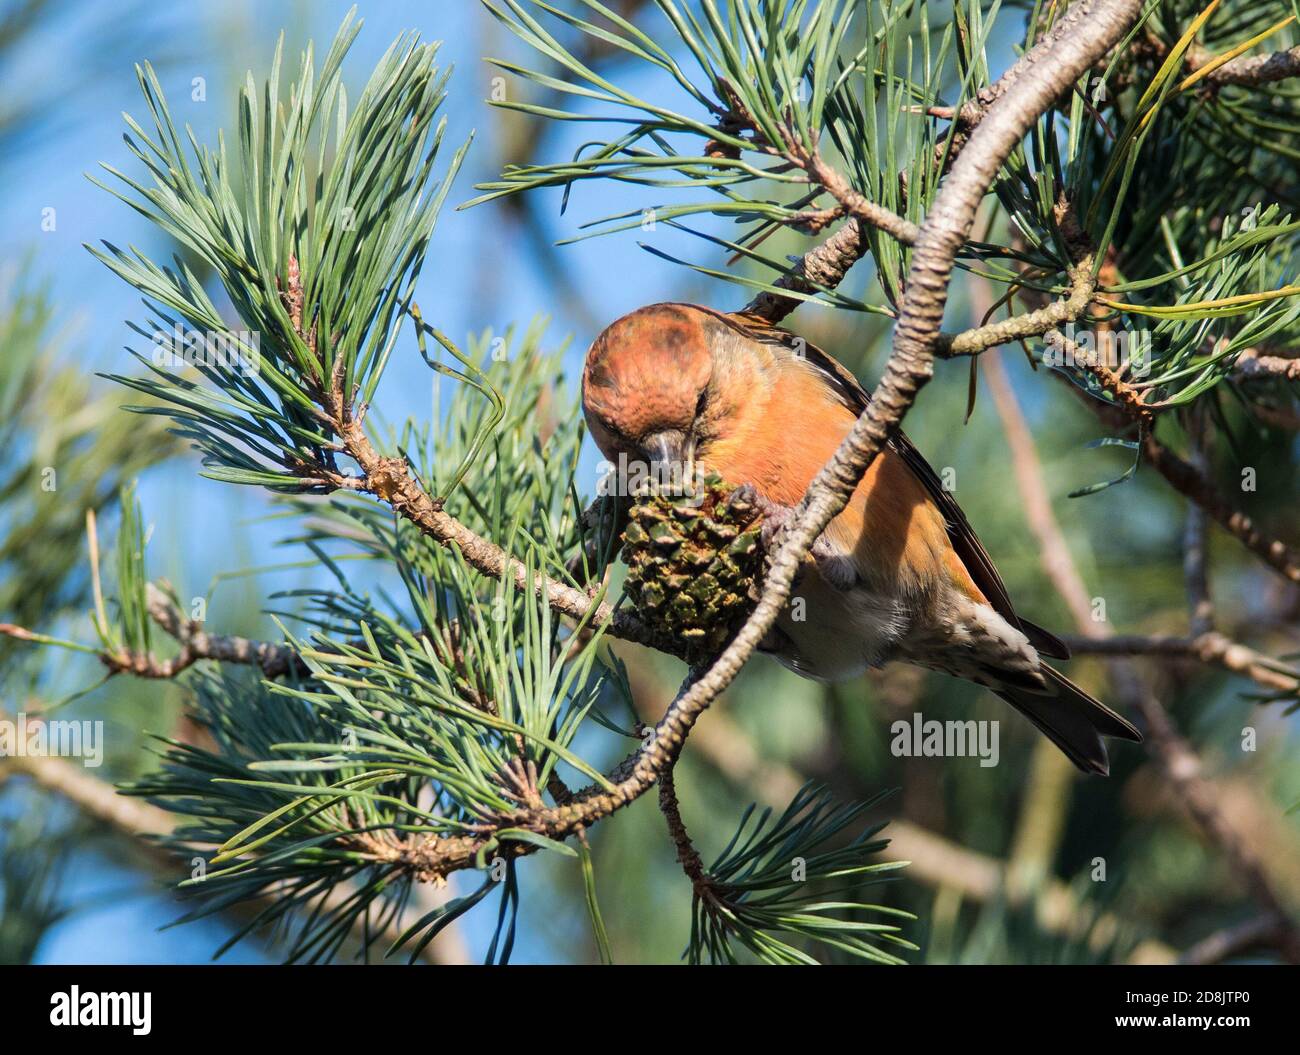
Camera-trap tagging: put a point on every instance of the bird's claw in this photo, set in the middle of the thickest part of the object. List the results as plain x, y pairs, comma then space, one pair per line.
834, 567
746, 494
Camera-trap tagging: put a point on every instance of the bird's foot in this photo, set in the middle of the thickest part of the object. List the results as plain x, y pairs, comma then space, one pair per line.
746, 495
834, 567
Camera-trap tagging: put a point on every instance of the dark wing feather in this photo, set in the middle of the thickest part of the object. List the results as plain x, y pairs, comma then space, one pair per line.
964, 540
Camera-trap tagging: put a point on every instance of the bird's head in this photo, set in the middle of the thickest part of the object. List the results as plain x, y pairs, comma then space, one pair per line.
661, 383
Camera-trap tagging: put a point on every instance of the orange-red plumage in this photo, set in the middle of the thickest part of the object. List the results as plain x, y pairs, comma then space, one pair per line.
898, 574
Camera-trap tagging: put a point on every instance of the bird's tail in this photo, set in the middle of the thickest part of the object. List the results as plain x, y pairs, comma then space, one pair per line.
1071, 719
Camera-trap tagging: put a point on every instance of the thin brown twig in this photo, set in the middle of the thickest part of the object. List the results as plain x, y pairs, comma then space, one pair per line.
850, 198
1211, 648
1287, 418
1200, 606
822, 267
687, 855
1045, 805
1195, 485
1196, 550
825, 265
1252, 71
196, 644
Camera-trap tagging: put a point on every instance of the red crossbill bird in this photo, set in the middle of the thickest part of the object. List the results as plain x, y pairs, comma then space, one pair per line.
898, 575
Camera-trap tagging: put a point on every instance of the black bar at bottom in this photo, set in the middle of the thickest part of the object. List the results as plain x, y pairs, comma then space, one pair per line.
261, 1004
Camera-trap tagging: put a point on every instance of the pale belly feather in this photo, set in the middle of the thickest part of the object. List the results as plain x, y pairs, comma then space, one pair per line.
832, 635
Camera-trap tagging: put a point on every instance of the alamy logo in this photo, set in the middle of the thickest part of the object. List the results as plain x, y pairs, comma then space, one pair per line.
76, 1008
227, 350
934, 739
52, 738
633, 477
1128, 350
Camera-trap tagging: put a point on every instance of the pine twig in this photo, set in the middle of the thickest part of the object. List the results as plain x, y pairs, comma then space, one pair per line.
1211, 648
822, 267
1195, 485
1255, 70
1031, 324
858, 205
196, 644
825, 265
687, 855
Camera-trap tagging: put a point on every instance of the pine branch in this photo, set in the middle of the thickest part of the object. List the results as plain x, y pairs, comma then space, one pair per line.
930, 858
750, 899
1211, 648
825, 266
1253, 71
822, 267
1195, 485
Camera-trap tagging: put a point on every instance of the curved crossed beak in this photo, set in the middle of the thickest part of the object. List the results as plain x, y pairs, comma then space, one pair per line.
670, 455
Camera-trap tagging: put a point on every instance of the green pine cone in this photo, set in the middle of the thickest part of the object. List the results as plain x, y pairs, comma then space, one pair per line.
694, 563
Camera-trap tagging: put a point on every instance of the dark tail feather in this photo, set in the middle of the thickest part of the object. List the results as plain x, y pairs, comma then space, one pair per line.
1047, 643
1072, 720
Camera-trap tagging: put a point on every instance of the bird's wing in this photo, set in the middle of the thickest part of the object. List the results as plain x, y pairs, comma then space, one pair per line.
962, 536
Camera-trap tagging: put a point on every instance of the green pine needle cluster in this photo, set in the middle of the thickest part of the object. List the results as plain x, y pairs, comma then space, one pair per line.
342, 195
788, 882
